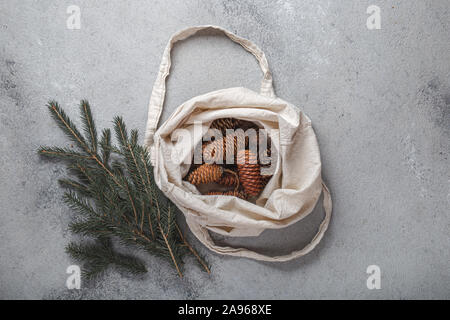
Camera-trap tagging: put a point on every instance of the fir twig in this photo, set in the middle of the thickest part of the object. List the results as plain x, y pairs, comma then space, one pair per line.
61, 153
200, 260
88, 124
116, 197
105, 144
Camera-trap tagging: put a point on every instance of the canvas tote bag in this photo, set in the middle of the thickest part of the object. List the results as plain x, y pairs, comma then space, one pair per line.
291, 193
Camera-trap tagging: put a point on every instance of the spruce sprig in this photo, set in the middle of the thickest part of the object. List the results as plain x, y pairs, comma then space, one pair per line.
112, 188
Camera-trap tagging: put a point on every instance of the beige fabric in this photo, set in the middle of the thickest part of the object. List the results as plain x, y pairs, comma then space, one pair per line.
290, 195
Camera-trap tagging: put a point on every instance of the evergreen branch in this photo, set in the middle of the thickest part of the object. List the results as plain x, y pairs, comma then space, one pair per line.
105, 144
115, 198
174, 260
116, 150
94, 260
81, 170
88, 124
75, 186
121, 131
129, 264
201, 261
90, 227
129, 149
142, 216
133, 167
134, 137
102, 165
62, 153
78, 203
117, 167
67, 125
145, 163
124, 183
127, 187
70, 129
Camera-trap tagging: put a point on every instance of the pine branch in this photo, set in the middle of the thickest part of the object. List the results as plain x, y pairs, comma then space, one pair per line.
79, 203
121, 131
72, 132
90, 228
89, 125
172, 251
105, 144
67, 125
134, 137
61, 153
75, 186
116, 198
199, 258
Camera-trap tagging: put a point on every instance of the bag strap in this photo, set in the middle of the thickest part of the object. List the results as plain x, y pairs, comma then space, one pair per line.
159, 88
203, 235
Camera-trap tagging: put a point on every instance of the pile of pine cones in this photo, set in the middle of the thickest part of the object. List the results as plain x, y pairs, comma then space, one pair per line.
243, 178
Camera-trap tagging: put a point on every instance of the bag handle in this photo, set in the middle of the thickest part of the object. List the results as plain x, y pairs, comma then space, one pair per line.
203, 235
159, 88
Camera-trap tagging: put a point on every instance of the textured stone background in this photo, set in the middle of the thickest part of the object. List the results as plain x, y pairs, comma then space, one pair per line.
379, 101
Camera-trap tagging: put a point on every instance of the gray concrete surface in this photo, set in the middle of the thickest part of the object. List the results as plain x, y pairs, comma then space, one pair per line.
379, 101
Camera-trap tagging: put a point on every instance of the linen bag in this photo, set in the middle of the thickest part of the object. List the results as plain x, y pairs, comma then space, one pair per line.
291, 193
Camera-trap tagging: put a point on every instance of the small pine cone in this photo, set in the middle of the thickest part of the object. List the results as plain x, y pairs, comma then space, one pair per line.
250, 172
205, 173
225, 123
229, 180
214, 151
239, 194
231, 144
236, 142
217, 150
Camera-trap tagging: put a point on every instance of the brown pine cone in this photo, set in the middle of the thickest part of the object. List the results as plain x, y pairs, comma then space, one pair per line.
225, 123
239, 194
235, 142
213, 152
229, 180
205, 173
250, 172
218, 149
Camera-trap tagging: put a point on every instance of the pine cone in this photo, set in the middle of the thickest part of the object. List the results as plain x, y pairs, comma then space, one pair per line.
229, 180
205, 173
239, 142
214, 151
250, 172
239, 194
218, 149
225, 123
